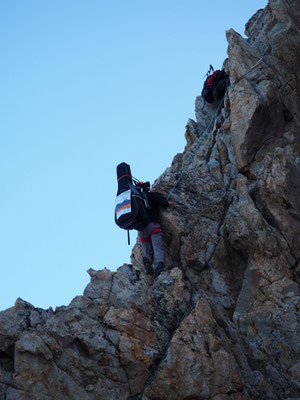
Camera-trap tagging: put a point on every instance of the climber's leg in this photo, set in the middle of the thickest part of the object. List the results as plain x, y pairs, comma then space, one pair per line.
145, 240
158, 246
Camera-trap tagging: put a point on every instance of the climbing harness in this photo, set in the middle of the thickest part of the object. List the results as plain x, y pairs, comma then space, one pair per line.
209, 125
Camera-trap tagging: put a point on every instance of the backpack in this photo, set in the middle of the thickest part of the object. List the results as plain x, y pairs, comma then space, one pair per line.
131, 210
209, 85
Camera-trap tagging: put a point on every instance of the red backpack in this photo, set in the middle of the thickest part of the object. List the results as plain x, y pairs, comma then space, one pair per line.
210, 84
211, 78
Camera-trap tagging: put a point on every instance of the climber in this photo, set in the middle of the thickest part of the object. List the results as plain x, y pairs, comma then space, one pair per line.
151, 236
138, 208
215, 85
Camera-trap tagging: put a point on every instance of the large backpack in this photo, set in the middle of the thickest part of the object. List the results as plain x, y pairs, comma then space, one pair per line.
215, 85
209, 85
131, 211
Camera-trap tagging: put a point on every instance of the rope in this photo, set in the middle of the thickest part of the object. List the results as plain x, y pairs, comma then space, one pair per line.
209, 125
197, 147
251, 69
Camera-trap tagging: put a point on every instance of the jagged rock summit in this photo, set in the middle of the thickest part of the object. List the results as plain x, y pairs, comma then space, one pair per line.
222, 323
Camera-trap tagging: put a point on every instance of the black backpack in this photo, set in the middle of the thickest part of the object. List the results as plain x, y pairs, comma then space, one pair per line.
209, 91
131, 211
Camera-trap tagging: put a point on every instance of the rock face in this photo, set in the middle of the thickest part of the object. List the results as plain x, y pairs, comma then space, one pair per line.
222, 323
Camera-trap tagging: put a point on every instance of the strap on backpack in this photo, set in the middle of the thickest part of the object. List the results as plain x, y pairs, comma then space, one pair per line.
138, 192
128, 237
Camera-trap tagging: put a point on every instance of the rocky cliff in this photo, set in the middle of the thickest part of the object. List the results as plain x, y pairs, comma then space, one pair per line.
223, 321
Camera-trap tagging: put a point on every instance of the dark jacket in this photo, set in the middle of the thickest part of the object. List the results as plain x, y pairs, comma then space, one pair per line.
215, 91
156, 200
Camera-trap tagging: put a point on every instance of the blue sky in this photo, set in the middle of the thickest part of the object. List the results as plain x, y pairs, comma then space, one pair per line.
86, 85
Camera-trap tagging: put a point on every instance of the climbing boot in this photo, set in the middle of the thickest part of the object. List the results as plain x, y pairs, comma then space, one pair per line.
148, 266
160, 267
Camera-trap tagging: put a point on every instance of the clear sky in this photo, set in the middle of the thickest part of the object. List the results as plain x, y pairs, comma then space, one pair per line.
85, 85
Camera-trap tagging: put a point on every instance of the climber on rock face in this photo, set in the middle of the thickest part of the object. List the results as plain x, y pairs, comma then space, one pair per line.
215, 86
138, 208
151, 236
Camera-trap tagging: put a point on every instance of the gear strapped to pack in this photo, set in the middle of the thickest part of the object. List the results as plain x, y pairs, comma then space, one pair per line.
132, 205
